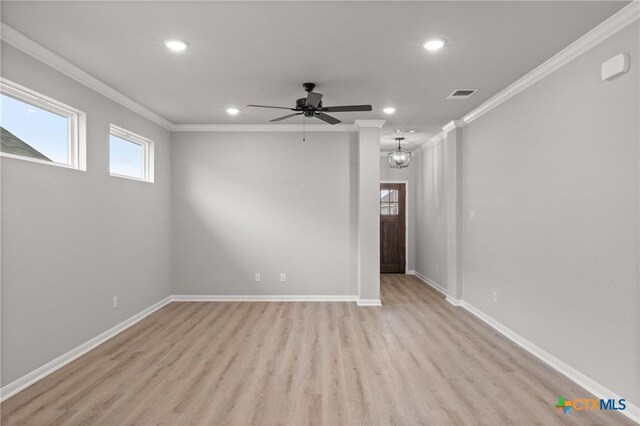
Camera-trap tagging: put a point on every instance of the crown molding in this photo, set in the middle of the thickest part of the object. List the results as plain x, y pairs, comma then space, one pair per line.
41, 53
46, 56
616, 22
368, 123
263, 128
452, 125
433, 140
449, 126
597, 35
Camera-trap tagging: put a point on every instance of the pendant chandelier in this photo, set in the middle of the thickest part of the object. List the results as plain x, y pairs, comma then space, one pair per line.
399, 158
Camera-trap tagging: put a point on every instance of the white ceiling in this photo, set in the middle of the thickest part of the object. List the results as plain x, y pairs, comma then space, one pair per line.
261, 52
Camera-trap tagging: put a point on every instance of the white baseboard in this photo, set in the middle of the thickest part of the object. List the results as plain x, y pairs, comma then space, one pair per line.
40, 373
454, 301
437, 287
632, 411
263, 298
275, 298
369, 302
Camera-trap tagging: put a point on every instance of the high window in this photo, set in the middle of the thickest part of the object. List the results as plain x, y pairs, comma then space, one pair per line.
130, 155
37, 128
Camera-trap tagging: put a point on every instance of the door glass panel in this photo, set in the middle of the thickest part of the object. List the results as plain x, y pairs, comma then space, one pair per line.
389, 199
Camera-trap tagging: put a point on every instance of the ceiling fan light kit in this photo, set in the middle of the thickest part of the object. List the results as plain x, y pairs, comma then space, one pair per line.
399, 158
311, 106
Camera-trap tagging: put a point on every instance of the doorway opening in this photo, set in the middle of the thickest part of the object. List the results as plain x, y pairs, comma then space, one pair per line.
393, 228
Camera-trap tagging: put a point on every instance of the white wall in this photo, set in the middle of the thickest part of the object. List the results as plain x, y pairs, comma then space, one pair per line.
431, 225
553, 178
264, 202
407, 174
72, 240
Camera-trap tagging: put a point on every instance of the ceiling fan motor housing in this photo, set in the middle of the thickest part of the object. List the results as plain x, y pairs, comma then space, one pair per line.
301, 106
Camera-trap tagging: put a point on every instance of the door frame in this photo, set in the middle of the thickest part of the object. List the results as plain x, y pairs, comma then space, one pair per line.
406, 220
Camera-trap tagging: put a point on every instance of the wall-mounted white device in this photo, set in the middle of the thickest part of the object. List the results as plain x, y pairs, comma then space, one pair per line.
615, 66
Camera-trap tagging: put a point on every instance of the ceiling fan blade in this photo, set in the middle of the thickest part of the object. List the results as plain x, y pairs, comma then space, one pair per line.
285, 117
347, 108
313, 99
268, 106
327, 118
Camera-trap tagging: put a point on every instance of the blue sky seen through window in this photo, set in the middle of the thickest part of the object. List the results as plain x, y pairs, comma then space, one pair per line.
125, 157
45, 131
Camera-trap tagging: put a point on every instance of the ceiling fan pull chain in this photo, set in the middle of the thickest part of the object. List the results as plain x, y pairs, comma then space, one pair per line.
304, 135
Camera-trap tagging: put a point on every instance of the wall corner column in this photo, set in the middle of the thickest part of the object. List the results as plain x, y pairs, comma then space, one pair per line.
453, 185
368, 246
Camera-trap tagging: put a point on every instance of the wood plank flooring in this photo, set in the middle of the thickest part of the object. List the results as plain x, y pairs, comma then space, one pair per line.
415, 360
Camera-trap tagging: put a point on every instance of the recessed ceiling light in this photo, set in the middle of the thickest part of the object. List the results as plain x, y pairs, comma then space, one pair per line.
233, 111
176, 45
389, 110
434, 44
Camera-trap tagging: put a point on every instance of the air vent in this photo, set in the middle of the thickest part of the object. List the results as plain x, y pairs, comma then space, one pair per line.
462, 94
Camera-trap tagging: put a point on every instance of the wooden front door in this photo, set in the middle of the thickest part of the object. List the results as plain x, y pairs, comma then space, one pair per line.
392, 228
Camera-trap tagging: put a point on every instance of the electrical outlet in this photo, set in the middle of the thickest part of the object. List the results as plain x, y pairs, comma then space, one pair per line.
472, 215
283, 277
115, 302
258, 277
495, 297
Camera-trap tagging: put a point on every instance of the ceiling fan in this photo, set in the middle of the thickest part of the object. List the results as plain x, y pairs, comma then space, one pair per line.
311, 106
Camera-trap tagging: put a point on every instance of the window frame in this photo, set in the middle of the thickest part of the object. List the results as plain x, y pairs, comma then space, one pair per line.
76, 129
147, 146
390, 203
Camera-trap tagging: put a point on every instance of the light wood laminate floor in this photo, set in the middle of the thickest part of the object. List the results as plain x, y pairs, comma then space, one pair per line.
415, 360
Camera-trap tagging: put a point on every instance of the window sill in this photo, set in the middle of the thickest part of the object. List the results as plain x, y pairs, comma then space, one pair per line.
131, 178
35, 160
